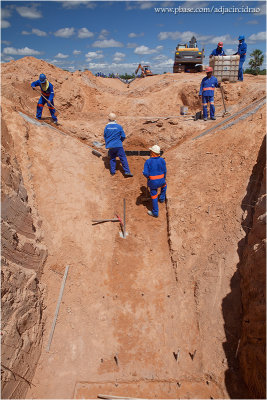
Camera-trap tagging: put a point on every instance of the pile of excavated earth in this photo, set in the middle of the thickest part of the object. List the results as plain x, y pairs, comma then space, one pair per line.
177, 308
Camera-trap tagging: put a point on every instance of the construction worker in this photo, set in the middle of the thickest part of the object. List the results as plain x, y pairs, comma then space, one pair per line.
219, 51
114, 136
155, 171
48, 93
242, 51
206, 92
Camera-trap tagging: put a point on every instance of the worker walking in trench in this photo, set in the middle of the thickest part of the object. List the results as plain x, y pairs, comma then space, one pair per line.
114, 136
219, 51
47, 91
206, 92
242, 51
155, 171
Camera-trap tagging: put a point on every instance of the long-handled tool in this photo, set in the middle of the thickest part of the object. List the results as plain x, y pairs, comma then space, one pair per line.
51, 105
225, 111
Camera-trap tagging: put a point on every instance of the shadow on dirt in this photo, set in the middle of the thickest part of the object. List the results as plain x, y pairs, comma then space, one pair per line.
232, 303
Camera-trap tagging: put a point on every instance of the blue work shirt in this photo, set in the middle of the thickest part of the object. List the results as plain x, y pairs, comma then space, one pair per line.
49, 93
114, 135
155, 171
208, 86
219, 51
242, 50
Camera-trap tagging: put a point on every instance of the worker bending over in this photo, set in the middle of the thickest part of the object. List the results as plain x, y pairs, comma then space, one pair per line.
207, 87
242, 51
219, 51
155, 171
47, 91
114, 136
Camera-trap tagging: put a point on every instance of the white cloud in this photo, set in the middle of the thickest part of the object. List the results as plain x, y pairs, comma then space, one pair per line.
134, 35
253, 22
83, 33
146, 50
229, 52
6, 42
92, 55
38, 32
194, 4
5, 58
118, 56
34, 31
64, 32
26, 51
132, 45
146, 4
257, 37
103, 34
29, 12
5, 13
5, 24
60, 55
76, 4
184, 37
262, 6
76, 52
107, 43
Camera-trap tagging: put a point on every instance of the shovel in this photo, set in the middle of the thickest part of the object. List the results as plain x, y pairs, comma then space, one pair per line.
225, 111
51, 105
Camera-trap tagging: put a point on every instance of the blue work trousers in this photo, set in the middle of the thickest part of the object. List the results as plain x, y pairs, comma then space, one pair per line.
240, 70
118, 152
205, 101
40, 106
154, 197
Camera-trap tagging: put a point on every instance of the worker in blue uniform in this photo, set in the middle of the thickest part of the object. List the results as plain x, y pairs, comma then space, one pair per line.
114, 136
206, 92
219, 51
155, 171
47, 91
242, 51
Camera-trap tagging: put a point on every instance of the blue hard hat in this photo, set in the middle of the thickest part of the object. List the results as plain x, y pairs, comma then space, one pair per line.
42, 78
241, 37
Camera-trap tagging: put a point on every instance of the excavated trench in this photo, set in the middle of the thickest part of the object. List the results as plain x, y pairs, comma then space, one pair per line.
142, 316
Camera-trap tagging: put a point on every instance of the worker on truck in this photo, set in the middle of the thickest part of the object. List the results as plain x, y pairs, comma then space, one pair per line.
219, 51
155, 171
47, 97
114, 136
206, 92
242, 51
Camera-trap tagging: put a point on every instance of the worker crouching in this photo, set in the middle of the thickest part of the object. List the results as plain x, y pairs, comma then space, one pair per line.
155, 171
207, 87
114, 136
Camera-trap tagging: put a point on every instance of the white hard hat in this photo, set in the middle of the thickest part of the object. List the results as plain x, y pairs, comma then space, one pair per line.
112, 116
155, 149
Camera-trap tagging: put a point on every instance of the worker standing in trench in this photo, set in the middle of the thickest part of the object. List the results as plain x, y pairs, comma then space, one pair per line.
206, 92
155, 171
114, 136
242, 51
47, 97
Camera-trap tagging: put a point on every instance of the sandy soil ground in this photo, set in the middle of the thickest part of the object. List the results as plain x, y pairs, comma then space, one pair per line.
157, 314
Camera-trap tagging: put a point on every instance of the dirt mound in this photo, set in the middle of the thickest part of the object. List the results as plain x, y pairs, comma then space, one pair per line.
158, 314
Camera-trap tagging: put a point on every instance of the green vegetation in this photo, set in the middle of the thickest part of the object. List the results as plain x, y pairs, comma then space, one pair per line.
256, 60
127, 76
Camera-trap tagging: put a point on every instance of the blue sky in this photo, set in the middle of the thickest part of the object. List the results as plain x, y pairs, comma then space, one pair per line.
114, 36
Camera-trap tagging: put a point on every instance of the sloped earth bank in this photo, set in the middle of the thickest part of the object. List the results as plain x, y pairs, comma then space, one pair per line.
157, 314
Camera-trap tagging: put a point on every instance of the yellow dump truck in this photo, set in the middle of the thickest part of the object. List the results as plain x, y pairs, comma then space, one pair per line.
188, 58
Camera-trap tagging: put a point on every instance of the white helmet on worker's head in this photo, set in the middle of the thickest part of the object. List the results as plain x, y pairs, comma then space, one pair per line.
155, 149
112, 116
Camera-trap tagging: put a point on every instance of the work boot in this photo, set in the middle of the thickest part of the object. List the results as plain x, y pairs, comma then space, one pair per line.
205, 119
152, 215
213, 118
128, 174
55, 122
162, 201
